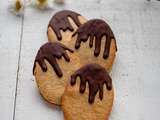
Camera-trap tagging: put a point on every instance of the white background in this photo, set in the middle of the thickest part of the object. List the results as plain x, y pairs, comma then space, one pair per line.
136, 72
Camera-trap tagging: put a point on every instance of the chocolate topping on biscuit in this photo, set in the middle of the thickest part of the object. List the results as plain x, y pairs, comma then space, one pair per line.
96, 76
52, 51
60, 22
95, 28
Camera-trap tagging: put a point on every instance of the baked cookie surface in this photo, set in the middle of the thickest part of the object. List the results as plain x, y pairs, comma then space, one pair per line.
52, 69
89, 95
63, 25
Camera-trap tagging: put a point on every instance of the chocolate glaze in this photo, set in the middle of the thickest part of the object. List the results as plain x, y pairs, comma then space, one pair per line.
96, 76
50, 51
60, 22
95, 28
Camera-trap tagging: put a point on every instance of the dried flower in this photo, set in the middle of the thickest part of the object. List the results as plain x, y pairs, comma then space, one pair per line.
43, 4
16, 7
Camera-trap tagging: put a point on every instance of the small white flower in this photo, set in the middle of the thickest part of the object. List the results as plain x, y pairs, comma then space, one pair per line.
59, 1
43, 4
16, 7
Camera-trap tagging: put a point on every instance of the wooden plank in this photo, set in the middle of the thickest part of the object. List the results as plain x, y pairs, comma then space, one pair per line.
10, 32
128, 87
151, 64
135, 27
138, 97
30, 105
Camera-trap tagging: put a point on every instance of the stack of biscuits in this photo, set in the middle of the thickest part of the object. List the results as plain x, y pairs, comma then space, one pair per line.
72, 68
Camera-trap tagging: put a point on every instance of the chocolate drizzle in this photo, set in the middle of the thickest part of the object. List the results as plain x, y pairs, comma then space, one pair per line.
60, 22
95, 28
50, 51
96, 76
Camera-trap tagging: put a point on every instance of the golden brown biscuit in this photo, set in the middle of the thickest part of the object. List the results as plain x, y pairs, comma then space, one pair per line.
53, 66
63, 25
90, 97
94, 41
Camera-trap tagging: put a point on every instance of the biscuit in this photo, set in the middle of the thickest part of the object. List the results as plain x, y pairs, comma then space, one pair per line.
94, 41
89, 95
53, 66
63, 25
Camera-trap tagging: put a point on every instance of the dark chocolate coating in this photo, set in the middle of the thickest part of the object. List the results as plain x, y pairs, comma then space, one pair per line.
95, 28
60, 22
96, 76
52, 51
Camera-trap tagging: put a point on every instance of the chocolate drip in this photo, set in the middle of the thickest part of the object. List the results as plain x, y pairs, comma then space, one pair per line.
60, 21
95, 28
50, 51
96, 76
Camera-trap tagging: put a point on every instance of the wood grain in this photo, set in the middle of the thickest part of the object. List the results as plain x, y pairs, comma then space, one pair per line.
10, 36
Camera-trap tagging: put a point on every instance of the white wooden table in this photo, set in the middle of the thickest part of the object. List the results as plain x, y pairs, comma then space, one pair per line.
136, 72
